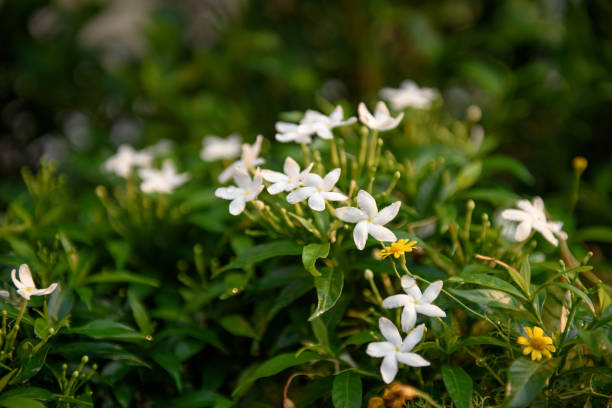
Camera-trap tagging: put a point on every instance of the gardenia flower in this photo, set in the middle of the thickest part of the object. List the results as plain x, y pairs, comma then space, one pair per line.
536, 343
162, 181
25, 284
292, 132
532, 216
409, 95
291, 179
414, 302
369, 220
247, 190
318, 190
397, 248
381, 120
323, 124
217, 148
248, 160
395, 350
125, 159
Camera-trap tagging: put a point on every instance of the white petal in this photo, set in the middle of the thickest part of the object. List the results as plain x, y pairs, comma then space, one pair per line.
394, 301
379, 349
367, 203
330, 180
291, 168
350, 214
522, 231
229, 193
24, 294
389, 331
413, 338
25, 276
515, 215
430, 310
277, 188
284, 127
225, 174
360, 234
16, 282
337, 114
388, 368
391, 123
365, 116
273, 176
409, 317
546, 233
410, 287
325, 133
300, 194
313, 180
538, 204
526, 206
316, 202
242, 179
381, 233
412, 359
387, 214
333, 196
237, 206
286, 137
432, 292
46, 291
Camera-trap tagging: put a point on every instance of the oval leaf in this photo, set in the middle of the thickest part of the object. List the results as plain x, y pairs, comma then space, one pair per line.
458, 384
329, 288
346, 391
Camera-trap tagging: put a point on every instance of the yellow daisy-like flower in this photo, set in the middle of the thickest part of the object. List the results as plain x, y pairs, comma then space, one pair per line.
536, 343
398, 248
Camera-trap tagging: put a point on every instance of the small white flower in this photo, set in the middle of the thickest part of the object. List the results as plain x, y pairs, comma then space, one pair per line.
25, 284
369, 220
414, 302
217, 148
162, 181
292, 132
318, 190
248, 160
381, 120
126, 158
395, 350
323, 124
409, 95
532, 216
291, 179
247, 190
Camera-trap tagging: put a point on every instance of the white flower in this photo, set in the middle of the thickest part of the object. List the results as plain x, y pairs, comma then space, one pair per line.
414, 302
25, 284
409, 95
248, 160
247, 190
318, 190
122, 162
323, 124
292, 132
369, 220
395, 350
161, 181
291, 179
381, 120
532, 216
217, 148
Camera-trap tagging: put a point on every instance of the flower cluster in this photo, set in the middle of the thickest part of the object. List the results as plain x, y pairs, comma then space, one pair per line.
312, 123
532, 216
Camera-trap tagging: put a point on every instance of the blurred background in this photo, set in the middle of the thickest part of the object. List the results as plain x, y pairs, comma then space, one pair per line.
80, 77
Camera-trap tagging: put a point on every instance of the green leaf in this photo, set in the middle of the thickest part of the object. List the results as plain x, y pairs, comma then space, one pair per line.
329, 288
465, 179
346, 391
110, 351
29, 392
488, 297
238, 326
597, 234
495, 196
262, 252
200, 399
6, 378
578, 292
20, 402
478, 341
458, 384
493, 164
293, 291
526, 379
122, 277
272, 367
311, 253
472, 274
140, 313
120, 251
107, 329
171, 364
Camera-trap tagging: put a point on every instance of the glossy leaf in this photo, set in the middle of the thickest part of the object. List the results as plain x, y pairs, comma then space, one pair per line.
488, 297
526, 379
311, 253
168, 361
458, 384
329, 288
238, 326
346, 390
262, 252
107, 329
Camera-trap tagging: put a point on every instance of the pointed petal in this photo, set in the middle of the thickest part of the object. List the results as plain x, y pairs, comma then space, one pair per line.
337, 114
225, 174
381, 233
389, 331
367, 203
387, 214
313, 180
432, 292
394, 301
515, 215
522, 231
242, 179
523, 341
388, 368
379, 349
325, 133
412, 359
360, 234
291, 168
16, 282
316, 202
46, 291
409, 317
410, 287
391, 123
350, 214
546, 233
333, 196
300, 194
277, 188
365, 116
25, 276
538, 204
430, 310
286, 137
413, 338
273, 176
330, 180
538, 332
381, 111
237, 206
229, 193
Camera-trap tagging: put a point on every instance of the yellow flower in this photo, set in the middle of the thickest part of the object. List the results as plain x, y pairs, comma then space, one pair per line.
398, 248
536, 343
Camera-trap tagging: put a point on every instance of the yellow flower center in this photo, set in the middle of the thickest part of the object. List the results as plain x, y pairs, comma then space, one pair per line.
537, 343
398, 248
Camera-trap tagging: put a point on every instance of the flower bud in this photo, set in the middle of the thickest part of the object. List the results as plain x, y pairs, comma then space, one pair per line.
368, 274
580, 163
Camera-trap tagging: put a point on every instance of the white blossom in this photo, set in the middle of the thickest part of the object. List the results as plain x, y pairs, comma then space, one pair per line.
409, 95
25, 284
369, 220
291, 178
317, 190
292, 132
162, 181
245, 191
533, 216
414, 302
381, 120
218, 148
126, 158
248, 160
394, 350
323, 124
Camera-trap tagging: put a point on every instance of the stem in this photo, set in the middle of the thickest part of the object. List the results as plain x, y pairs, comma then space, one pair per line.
12, 336
428, 398
478, 359
334, 153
